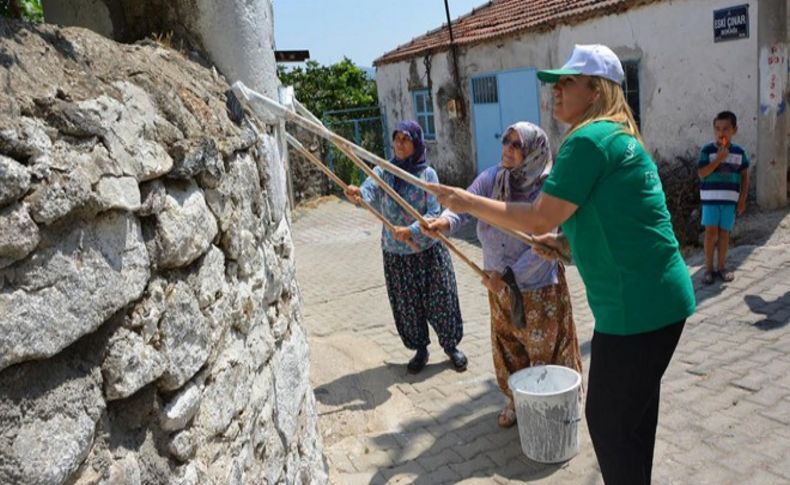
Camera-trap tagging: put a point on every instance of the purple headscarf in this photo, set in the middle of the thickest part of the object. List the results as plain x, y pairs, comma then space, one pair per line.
536, 164
416, 163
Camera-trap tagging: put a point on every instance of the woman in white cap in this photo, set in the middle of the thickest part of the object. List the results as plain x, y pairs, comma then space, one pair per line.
605, 191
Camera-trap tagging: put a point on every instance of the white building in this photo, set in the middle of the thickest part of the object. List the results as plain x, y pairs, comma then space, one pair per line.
685, 60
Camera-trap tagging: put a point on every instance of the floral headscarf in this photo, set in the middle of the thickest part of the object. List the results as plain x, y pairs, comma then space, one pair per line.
536, 164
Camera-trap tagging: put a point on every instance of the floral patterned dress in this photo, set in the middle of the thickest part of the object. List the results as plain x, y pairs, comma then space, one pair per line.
420, 284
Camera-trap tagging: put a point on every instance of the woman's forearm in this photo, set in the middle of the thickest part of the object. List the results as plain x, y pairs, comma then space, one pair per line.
521, 216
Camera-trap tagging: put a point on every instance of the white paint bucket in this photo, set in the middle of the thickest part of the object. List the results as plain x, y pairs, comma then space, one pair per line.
548, 410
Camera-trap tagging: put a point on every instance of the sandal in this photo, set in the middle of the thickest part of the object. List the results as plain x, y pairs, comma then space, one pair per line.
507, 417
708, 278
726, 275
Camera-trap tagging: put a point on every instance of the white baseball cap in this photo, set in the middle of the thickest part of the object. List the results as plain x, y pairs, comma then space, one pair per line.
589, 60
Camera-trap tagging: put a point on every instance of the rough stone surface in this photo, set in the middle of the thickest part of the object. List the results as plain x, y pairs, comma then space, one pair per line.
129, 365
290, 387
14, 180
80, 277
184, 336
185, 227
152, 195
119, 193
19, 236
148, 298
308, 181
125, 471
60, 196
48, 416
179, 410
182, 445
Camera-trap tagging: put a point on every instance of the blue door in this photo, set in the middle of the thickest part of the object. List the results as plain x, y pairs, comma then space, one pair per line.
499, 100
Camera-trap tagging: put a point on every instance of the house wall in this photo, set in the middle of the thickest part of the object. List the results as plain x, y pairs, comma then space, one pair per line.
685, 78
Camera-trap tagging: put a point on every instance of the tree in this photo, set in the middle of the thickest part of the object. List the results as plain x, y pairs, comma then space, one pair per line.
29, 10
324, 88
340, 86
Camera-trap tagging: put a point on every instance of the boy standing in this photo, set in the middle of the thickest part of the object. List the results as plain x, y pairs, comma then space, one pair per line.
724, 185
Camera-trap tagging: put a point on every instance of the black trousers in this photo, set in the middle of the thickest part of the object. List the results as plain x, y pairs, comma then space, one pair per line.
623, 393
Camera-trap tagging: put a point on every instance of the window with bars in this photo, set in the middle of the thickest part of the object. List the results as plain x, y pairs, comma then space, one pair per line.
484, 90
631, 89
423, 109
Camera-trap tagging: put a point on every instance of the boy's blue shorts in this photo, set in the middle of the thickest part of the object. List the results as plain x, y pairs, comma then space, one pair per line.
722, 216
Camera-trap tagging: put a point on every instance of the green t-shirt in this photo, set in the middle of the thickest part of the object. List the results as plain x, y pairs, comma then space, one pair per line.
621, 234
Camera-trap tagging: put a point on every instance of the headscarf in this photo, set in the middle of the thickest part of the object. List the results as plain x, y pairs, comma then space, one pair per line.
416, 162
536, 163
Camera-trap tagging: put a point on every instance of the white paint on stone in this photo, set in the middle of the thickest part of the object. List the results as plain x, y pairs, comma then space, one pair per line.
276, 183
239, 37
144, 333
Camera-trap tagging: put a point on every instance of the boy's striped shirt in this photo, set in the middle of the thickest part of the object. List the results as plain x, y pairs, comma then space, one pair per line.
723, 186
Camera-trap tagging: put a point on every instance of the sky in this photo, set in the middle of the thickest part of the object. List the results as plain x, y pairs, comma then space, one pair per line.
361, 30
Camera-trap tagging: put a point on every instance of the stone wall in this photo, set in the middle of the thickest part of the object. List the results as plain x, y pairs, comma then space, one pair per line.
308, 181
150, 325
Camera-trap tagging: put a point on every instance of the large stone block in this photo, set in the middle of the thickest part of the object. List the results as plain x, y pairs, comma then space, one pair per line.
129, 365
184, 337
48, 416
14, 180
184, 228
19, 235
80, 277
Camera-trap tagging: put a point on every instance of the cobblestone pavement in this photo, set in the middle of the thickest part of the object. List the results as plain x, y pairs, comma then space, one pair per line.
725, 415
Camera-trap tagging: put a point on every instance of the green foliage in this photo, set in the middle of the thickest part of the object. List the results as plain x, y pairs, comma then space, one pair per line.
340, 86
29, 9
324, 88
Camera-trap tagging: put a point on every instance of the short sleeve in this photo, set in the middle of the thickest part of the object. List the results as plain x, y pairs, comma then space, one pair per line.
745, 162
577, 168
704, 157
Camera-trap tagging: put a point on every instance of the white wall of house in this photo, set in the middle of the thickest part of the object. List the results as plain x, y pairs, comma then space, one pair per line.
685, 78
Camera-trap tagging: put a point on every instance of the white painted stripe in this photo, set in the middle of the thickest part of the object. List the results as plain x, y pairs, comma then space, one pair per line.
728, 195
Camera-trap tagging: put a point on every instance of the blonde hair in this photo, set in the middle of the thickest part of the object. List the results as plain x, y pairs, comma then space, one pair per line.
609, 105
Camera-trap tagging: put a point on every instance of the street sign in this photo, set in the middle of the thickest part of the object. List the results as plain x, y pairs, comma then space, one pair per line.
731, 23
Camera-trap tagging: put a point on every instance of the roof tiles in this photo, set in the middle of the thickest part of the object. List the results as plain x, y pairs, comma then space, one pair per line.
499, 18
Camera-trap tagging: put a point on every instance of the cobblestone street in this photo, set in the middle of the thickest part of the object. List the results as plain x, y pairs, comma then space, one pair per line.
725, 416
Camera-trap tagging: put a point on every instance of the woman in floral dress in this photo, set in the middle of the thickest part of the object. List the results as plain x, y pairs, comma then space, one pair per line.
539, 329
420, 277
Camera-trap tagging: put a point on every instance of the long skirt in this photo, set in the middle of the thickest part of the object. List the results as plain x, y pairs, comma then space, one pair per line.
422, 291
548, 338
